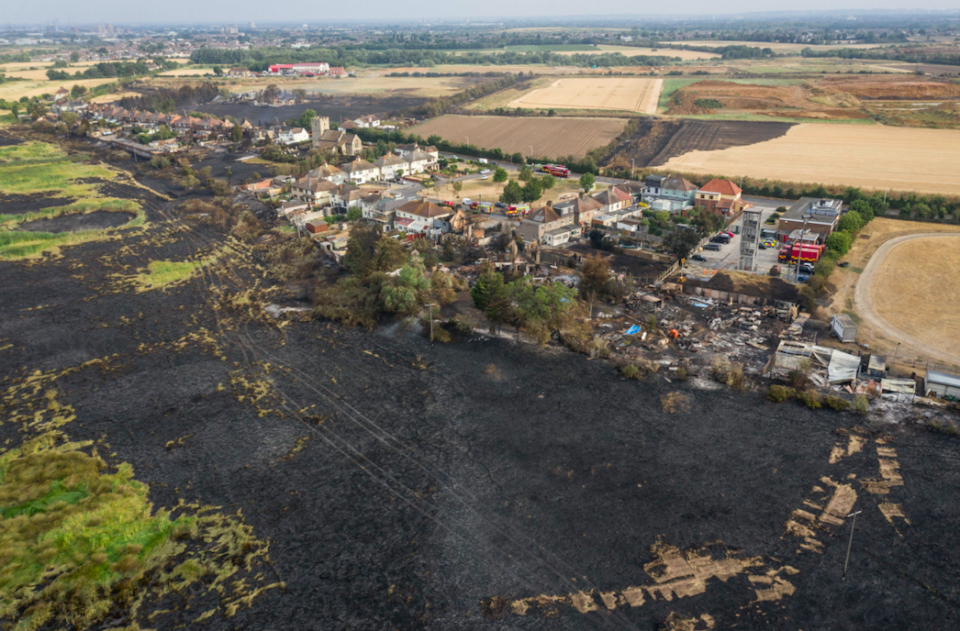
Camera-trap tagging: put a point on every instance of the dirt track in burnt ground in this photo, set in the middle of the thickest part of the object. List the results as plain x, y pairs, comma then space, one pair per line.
429, 482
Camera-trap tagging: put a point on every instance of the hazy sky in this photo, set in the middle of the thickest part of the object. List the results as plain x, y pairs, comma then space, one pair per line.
242, 11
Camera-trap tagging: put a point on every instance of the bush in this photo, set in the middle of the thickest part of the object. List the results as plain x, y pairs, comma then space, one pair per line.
729, 373
779, 394
642, 369
861, 405
810, 398
836, 403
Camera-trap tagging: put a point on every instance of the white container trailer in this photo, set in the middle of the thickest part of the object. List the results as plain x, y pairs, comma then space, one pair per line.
844, 327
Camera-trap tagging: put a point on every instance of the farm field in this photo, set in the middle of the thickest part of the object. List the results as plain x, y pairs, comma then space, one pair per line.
541, 137
425, 87
622, 94
12, 90
869, 156
911, 288
633, 51
775, 46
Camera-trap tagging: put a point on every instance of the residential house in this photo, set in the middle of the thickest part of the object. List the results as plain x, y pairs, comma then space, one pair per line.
346, 196
367, 121
340, 141
820, 215
288, 208
348, 125
420, 161
583, 208
338, 71
239, 72
329, 173
390, 165
613, 199
293, 136
360, 171
548, 226
720, 196
419, 215
381, 209
317, 192
61, 94
666, 192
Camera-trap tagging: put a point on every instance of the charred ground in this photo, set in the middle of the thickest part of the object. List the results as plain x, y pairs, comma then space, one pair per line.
408, 485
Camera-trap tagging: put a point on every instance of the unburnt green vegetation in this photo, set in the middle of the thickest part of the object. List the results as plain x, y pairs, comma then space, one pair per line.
37, 169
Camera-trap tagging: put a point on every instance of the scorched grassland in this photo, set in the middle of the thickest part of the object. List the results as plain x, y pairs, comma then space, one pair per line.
551, 137
868, 156
600, 93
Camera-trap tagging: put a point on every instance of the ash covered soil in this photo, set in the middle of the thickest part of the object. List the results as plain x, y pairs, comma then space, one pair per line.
404, 485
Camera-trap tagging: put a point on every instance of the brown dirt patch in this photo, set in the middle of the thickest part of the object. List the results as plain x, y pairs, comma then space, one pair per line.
538, 136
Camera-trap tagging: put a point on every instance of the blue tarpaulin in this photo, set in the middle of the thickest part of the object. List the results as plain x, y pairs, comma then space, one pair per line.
633, 330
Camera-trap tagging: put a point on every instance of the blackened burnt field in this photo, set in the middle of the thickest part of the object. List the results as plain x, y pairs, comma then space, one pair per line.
482, 485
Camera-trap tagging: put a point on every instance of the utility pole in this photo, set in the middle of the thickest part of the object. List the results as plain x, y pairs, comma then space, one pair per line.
850, 544
430, 313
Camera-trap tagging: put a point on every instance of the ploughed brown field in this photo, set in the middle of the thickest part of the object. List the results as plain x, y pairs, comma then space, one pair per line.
868, 156
536, 136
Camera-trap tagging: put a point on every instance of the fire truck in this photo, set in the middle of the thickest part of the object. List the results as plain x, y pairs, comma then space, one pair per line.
807, 252
556, 170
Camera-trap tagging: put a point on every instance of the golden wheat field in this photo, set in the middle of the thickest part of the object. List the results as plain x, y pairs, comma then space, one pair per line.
867, 156
537, 136
597, 93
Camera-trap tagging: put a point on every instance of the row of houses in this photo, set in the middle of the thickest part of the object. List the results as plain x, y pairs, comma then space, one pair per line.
558, 223
676, 194
150, 120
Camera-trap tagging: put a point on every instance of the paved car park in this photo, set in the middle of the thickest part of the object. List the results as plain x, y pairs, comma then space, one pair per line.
727, 257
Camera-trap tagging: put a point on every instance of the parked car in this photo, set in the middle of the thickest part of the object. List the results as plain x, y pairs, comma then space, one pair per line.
762, 246
770, 243
485, 172
728, 233
500, 205
466, 201
806, 268
484, 177
720, 238
844, 264
698, 257
713, 247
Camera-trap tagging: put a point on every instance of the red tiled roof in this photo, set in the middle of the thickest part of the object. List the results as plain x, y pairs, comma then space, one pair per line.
723, 187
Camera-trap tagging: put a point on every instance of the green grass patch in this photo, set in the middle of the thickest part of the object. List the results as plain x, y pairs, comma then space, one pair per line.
59, 177
747, 116
160, 274
30, 153
672, 85
105, 204
80, 541
853, 316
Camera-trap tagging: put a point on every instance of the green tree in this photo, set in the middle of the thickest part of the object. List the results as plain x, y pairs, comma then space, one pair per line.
229, 173
512, 193
489, 284
236, 133
354, 214
531, 191
681, 242
404, 293
74, 57
516, 158
500, 175
839, 242
547, 182
850, 222
863, 208
217, 71
587, 180
299, 96
306, 118
457, 187
77, 91
526, 173
361, 248
541, 310
594, 275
